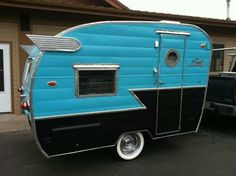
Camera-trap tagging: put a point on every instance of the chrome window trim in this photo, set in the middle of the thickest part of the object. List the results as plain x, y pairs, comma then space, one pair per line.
172, 50
97, 67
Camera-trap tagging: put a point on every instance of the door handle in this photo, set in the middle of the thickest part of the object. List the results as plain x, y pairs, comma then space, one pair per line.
155, 72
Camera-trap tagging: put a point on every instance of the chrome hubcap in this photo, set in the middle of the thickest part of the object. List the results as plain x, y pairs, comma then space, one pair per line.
129, 144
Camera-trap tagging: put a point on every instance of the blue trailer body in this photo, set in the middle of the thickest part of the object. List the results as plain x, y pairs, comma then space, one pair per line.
168, 61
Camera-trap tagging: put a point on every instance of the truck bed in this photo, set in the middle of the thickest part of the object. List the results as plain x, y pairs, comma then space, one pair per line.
221, 94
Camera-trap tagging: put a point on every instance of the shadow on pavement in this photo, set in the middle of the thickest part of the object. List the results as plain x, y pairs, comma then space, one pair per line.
215, 122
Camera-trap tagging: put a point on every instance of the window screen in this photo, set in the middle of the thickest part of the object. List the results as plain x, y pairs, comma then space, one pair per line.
217, 60
96, 81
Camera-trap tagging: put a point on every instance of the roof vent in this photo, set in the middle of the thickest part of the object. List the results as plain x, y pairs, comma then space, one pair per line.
228, 9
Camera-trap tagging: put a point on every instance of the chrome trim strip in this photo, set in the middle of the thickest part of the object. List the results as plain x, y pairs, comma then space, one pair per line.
79, 151
36, 139
55, 43
167, 88
119, 22
177, 134
170, 22
96, 66
140, 102
181, 107
173, 32
167, 132
203, 104
182, 79
31, 112
32, 83
89, 125
124, 22
157, 83
107, 146
107, 111
86, 113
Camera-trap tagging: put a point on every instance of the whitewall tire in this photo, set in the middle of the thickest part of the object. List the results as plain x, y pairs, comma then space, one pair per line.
130, 145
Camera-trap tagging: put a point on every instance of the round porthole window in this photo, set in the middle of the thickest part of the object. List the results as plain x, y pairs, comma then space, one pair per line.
172, 58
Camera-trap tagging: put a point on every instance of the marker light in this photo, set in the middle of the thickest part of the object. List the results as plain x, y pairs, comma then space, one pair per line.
20, 90
24, 105
52, 83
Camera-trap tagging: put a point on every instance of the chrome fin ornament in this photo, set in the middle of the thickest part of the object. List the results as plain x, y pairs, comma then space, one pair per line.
28, 48
55, 43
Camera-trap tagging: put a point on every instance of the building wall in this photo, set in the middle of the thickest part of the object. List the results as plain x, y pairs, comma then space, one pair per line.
9, 34
228, 42
51, 24
47, 29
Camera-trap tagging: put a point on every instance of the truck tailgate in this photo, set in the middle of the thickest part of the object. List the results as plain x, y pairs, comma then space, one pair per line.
221, 89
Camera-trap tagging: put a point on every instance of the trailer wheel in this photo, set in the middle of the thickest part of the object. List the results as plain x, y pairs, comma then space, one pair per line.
130, 145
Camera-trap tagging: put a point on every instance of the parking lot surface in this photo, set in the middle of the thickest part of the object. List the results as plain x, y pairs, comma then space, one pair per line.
210, 152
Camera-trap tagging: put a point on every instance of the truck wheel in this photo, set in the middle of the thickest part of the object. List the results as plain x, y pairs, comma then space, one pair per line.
130, 145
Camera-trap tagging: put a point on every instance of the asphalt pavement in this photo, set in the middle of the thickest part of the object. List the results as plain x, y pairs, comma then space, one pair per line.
210, 152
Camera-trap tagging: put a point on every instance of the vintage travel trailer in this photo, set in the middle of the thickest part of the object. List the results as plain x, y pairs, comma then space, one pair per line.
106, 84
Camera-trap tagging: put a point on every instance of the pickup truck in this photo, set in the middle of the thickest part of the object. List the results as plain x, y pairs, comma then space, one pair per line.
221, 94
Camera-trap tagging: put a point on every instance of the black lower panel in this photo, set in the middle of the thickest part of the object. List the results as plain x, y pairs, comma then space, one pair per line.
68, 134
168, 110
193, 100
90, 131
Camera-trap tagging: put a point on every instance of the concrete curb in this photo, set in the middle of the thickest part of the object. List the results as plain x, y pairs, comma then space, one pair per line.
12, 122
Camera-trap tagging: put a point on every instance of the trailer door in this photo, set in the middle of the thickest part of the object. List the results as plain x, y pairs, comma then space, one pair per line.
169, 80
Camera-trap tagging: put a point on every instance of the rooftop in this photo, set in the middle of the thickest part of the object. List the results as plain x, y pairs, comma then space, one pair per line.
110, 8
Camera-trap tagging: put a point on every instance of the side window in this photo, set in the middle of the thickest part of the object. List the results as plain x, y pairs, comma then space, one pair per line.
95, 80
172, 58
217, 60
